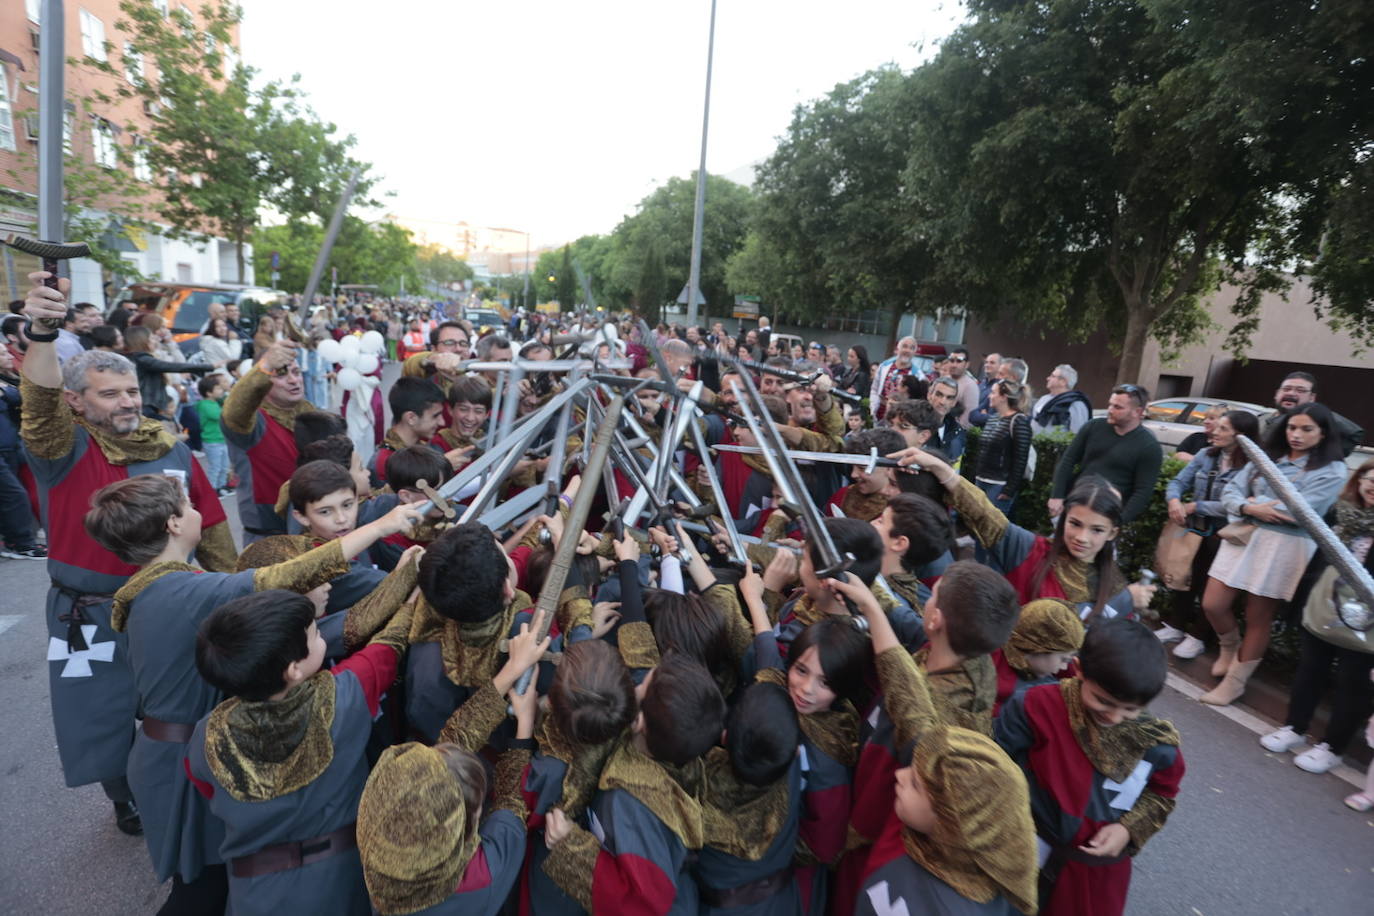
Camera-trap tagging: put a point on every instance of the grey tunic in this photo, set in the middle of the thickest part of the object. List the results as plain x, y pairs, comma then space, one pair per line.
182, 834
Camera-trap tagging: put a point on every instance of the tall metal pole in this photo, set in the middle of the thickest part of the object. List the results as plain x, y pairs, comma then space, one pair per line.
525, 296
330, 234
694, 277
52, 113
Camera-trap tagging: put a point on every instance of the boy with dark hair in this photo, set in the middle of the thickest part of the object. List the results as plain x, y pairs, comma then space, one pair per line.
324, 502
815, 600
469, 404
648, 807
1103, 773
404, 471
470, 607
752, 807
283, 762
917, 537
959, 836
417, 407
147, 521
870, 492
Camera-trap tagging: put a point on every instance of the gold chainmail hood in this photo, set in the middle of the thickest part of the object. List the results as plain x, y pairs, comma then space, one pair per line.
983, 844
147, 443
414, 838
261, 750
1045, 625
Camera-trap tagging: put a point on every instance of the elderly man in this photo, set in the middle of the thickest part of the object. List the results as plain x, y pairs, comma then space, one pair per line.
259, 423
83, 428
1116, 448
1299, 388
888, 379
1063, 406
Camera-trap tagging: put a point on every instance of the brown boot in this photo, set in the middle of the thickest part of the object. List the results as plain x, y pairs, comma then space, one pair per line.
1230, 642
1232, 685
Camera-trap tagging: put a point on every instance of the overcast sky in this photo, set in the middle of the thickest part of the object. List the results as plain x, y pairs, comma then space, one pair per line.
558, 117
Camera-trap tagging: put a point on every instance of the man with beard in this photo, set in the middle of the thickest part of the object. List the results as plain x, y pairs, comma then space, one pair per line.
1299, 388
82, 429
259, 421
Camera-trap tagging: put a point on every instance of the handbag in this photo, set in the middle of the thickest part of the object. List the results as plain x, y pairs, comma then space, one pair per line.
1334, 614
1174, 555
1238, 533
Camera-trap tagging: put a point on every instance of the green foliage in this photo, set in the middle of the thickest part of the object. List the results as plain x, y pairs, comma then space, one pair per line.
566, 287
221, 147
379, 254
438, 267
831, 229
652, 288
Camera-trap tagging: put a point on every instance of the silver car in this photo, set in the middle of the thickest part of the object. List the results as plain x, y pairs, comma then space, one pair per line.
1174, 419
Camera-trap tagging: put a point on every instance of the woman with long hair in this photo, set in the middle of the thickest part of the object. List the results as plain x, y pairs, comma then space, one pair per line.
1203, 481
219, 344
1077, 564
1267, 566
1353, 517
1004, 446
856, 378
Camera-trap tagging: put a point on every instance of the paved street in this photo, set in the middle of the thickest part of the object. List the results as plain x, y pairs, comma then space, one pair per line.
1252, 834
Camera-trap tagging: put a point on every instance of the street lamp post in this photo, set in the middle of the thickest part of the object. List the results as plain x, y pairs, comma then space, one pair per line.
694, 276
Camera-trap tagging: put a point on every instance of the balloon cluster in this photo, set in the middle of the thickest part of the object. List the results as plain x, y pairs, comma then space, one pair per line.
356, 356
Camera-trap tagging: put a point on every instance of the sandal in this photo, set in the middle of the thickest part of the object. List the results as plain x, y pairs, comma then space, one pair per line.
1359, 802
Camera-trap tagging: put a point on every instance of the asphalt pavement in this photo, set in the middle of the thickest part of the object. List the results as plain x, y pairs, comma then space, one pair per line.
1252, 833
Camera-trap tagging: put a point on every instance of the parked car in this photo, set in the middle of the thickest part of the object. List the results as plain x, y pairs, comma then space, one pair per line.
1174, 419
186, 306
484, 319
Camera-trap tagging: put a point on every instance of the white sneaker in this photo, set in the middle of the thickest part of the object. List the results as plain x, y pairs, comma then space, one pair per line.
1166, 633
1190, 647
1283, 740
1317, 760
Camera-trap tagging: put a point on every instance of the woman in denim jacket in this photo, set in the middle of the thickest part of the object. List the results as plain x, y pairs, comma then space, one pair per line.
1204, 479
1268, 566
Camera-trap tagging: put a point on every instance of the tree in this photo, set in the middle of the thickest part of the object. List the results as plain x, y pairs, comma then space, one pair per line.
567, 281
438, 268
223, 148
830, 233
665, 218
379, 254
1105, 164
652, 288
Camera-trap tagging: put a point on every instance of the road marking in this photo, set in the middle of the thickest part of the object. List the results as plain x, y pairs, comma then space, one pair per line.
9, 620
1255, 724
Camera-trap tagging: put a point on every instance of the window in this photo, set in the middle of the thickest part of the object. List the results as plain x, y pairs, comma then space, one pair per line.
1166, 411
103, 143
34, 8
92, 36
6, 113
161, 7
142, 171
133, 63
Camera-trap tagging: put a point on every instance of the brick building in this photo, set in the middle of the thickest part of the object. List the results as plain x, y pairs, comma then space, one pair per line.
98, 133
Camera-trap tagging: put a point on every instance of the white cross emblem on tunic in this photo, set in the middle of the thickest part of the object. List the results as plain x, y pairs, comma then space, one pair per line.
879, 897
79, 662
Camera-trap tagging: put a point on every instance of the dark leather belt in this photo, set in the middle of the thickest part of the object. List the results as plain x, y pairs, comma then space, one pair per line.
171, 732
754, 892
284, 856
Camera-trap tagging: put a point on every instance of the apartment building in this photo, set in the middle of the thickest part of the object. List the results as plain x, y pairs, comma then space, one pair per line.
97, 132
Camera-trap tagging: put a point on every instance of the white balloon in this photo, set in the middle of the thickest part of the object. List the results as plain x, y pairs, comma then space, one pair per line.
351, 343
349, 359
367, 363
349, 379
329, 350
373, 342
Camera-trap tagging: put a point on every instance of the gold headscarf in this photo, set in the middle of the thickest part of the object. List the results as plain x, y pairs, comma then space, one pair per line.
261, 750
413, 833
983, 843
1045, 625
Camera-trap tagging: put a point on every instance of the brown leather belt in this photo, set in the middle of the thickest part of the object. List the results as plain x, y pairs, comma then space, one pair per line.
171, 732
284, 856
754, 892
